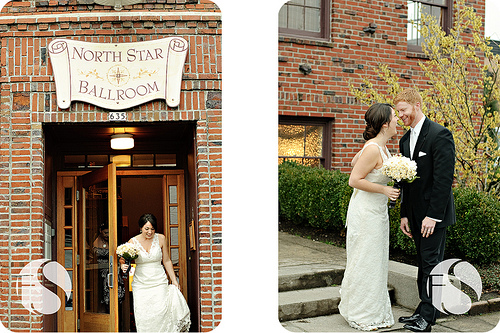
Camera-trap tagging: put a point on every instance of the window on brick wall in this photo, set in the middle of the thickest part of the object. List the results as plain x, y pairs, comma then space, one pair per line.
440, 9
305, 141
305, 18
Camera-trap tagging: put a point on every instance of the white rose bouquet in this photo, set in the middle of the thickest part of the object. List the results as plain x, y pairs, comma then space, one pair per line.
128, 252
399, 168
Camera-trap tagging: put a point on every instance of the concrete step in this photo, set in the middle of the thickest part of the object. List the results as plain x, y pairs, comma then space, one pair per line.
337, 323
309, 276
313, 303
308, 303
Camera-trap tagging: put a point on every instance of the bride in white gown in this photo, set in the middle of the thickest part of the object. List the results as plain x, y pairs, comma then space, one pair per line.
365, 302
158, 305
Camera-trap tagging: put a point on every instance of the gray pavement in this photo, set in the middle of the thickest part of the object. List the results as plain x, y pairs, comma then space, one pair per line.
297, 255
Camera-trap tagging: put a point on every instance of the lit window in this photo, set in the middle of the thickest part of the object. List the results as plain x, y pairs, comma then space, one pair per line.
305, 143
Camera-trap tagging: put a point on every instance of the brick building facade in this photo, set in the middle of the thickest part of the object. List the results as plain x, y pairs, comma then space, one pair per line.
45, 153
317, 62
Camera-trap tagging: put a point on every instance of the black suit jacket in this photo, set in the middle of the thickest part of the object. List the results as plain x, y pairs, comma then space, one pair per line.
431, 194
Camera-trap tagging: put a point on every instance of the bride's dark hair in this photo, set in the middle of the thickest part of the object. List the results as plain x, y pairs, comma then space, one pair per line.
147, 218
377, 115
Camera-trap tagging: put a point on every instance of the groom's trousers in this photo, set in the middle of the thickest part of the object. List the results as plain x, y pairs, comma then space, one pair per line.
430, 252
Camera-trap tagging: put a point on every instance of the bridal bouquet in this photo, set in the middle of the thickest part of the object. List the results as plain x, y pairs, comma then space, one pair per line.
399, 168
128, 252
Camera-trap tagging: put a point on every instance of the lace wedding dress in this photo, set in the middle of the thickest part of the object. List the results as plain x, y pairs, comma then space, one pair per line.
365, 302
158, 305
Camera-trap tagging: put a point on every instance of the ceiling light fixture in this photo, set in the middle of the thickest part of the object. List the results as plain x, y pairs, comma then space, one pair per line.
122, 141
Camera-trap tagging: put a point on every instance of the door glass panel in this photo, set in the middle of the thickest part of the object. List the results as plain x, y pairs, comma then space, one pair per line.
174, 236
68, 196
174, 256
68, 238
96, 262
172, 194
68, 258
173, 215
69, 303
68, 217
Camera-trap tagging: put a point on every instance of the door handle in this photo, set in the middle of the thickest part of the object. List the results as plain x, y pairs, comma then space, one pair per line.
110, 274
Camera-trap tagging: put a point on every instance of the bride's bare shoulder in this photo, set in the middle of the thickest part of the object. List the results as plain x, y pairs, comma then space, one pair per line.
369, 149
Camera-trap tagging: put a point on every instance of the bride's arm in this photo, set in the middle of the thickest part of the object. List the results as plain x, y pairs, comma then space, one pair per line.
167, 263
365, 164
355, 159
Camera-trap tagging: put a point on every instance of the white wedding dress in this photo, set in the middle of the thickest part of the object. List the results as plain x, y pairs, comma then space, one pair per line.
158, 305
365, 302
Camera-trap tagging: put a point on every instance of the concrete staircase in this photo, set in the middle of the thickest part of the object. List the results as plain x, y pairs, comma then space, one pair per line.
310, 291
310, 274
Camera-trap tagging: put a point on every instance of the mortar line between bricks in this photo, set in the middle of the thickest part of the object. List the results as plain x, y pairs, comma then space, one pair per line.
210, 208
9, 214
118, 16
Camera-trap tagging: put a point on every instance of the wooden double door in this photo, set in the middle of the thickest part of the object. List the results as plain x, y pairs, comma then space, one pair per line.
96, 212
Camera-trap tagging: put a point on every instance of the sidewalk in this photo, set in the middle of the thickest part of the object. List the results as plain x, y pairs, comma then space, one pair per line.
298, 255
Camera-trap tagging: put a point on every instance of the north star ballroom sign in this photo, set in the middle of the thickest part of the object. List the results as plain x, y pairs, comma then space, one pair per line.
117, 76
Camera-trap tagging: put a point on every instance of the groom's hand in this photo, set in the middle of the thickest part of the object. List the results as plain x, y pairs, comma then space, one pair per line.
427, 227
405, 227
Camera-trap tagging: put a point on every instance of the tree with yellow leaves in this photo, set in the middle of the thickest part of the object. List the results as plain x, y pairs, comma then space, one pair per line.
463, 87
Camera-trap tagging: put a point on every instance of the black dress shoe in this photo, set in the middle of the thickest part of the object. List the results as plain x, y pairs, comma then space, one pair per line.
409, 319
419, 325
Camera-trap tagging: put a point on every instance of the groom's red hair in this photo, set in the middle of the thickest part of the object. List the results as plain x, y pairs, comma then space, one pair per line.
410, 96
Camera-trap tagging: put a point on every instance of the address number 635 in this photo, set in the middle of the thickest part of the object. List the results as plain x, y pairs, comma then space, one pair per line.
117, 116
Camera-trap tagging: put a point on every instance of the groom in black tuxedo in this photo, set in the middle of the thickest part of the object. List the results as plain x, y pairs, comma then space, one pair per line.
427, 205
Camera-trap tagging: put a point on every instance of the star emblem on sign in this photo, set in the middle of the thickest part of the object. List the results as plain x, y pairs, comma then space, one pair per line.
118, 75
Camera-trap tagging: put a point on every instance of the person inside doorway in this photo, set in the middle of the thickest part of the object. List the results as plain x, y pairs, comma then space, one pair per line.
100, 248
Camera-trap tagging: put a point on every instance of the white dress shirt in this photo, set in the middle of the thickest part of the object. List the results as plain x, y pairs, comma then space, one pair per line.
415, 132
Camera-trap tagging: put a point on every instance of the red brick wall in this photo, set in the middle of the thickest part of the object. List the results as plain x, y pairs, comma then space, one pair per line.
28, 100
349, 54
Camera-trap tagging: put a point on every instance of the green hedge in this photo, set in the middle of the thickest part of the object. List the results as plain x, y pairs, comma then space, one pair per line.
476, 235
320, 198
313, 195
